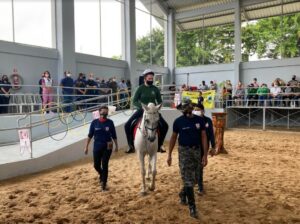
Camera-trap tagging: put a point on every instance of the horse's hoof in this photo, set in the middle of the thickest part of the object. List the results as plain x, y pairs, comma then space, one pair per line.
151, 188
143, 193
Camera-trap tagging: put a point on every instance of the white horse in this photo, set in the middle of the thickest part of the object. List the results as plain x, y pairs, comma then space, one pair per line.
146, 143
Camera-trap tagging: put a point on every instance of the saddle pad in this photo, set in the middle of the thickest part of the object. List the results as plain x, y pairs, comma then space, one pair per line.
136, 127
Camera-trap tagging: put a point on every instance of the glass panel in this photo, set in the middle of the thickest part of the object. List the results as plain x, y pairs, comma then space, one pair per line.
111, 29
33, 22
87, 26
6, 25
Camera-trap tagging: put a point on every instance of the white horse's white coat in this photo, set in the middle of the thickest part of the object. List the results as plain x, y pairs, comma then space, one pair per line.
146, 143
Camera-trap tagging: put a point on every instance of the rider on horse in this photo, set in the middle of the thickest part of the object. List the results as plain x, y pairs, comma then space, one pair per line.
146, 93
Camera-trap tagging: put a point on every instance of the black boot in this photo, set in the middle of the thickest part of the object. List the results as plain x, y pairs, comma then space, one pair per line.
103, 186
191, 201
182, 196
130, 149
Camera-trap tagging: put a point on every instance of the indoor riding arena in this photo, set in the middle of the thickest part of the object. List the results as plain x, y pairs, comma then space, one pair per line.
64, 70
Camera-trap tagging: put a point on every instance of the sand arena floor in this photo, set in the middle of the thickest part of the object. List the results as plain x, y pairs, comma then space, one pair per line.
257, 182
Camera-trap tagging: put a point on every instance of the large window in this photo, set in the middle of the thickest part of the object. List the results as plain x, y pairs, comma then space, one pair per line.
150, 23
206, 45
87, 26
271, 38
6, 25
33, 22
28, 22
98, 27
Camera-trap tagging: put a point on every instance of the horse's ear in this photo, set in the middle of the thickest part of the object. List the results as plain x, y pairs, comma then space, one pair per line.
158, 106
145, 107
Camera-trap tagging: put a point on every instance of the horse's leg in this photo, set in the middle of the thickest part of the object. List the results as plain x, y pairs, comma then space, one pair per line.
153, 158
143, 171
149, 169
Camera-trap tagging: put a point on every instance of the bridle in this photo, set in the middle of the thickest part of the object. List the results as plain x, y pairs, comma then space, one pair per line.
145, 127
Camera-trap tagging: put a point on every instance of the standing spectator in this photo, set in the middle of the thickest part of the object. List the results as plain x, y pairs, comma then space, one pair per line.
275, 94
67, 84
113, 85
4, 94
239, 95
104, 133
41, 88
128, 83
262, 93
91, 86
213, 85
80, 85
192, 140
122, 89
80, 90
47, 91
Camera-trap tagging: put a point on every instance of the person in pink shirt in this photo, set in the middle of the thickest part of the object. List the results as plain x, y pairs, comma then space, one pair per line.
47, 90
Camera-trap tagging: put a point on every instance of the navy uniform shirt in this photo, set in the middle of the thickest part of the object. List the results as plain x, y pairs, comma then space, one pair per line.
189, 130
67, 82
102, 132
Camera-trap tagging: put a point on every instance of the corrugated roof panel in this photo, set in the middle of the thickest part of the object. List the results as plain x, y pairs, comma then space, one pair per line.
208, 22
201, 4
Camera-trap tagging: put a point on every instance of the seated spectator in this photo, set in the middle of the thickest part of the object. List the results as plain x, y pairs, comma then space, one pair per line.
294, 83
288, 95
275, 94
203, 87
262, 92
5, 87
172, 87
239, 94
184, 87
213, 85
255, 83
251, 95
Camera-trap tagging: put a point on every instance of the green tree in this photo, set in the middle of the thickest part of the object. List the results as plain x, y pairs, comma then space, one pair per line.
154, 53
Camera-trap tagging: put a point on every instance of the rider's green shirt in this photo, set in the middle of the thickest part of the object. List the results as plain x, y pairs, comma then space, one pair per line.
146, 94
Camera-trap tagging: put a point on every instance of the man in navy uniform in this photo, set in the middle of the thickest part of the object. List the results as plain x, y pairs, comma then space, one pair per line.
192, 141
104, 132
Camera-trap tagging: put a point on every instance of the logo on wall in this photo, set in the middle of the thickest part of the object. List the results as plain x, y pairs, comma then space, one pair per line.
16, 80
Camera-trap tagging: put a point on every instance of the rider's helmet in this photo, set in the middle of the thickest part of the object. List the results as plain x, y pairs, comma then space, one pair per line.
148, 72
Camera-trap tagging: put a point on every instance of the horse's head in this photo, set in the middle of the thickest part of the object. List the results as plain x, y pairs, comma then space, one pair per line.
151, 118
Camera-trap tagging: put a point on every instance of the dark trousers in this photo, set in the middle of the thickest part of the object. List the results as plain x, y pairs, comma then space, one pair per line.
4, 101
162, 127
101, 159
200, 174
67, 100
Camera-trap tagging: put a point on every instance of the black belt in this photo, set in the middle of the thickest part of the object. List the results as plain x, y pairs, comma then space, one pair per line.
191, 146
